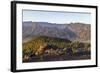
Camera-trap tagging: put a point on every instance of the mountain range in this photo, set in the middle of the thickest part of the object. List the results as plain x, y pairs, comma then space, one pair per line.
72, 31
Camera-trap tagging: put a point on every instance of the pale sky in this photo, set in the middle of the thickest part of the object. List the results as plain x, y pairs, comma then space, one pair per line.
56, 17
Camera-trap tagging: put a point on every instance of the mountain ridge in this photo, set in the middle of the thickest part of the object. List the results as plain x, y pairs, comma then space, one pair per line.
72, 31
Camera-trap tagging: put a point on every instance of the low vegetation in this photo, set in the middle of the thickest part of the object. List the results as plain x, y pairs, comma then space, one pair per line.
50, 46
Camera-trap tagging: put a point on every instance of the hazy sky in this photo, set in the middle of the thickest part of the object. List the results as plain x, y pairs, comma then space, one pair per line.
56, 17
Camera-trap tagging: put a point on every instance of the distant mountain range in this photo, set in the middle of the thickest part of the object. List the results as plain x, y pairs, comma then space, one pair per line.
72, 31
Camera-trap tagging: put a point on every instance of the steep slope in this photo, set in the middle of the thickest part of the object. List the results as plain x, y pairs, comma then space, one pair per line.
83, 31
73, 31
